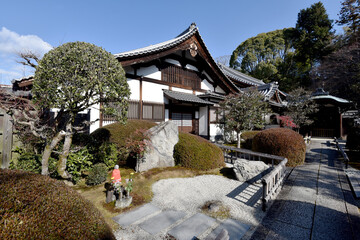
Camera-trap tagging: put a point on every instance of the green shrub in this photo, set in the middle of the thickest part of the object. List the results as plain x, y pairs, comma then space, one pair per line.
33, 206
281, 142
29, 161
353, 140
79, 163
108, 154
247, 138
197, 153
97, 174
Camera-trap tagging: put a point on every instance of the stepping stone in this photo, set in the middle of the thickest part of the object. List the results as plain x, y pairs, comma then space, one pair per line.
192, 227
129, 218
161, 221
236, 229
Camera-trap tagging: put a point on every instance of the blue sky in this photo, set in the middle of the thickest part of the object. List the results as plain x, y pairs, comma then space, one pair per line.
120, 26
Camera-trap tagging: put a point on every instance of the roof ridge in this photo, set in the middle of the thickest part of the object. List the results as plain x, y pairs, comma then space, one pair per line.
239, 76
191, 30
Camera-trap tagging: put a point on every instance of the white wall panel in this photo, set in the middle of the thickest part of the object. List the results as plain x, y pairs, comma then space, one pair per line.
134, 86
153, 92
150, 72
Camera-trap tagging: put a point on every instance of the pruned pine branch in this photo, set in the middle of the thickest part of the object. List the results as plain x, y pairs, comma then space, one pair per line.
28, 58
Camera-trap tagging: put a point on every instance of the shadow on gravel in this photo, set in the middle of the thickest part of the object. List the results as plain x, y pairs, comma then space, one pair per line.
247, 193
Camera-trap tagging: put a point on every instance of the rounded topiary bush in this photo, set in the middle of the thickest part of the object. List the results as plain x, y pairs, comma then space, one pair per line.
197, 153
353, 140
247, 138
97, 174
33, 206
281, 142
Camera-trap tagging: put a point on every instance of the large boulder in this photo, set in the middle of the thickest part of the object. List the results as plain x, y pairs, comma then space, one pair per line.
250, 171
163, 139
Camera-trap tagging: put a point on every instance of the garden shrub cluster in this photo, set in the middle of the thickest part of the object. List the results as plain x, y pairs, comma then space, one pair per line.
353, 140
247, 138
97, 174
197, 153
281, 142
107, 145
33, 206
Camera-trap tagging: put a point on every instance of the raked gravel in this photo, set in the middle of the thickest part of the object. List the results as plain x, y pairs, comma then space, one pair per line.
190, 194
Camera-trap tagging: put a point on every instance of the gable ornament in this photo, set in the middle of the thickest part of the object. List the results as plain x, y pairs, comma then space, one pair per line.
193, 49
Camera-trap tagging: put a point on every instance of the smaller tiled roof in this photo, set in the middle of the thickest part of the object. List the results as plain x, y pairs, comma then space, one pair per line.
321, 94
238, 76
160, 46
211, 95
268, 90
185, 97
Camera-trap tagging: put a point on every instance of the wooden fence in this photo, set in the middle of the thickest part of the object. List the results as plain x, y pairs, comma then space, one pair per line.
343, 153
271, 182
6, 139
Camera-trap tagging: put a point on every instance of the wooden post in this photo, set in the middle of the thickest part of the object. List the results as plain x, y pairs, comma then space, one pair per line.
7, 141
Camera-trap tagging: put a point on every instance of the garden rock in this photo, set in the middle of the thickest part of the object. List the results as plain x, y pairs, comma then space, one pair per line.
250, 171
163, 139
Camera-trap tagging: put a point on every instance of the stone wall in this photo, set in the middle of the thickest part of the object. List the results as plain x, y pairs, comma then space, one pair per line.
163, 139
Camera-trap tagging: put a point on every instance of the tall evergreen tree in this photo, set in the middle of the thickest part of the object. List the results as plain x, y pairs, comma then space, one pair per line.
350, 15
313, 35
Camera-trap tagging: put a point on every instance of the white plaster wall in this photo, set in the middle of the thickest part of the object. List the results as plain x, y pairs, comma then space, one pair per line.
166, 115
214, 130
182, 90
205, 85
153, 92
173, 61
134, 86
219, 90
94, 115
191, 67
150, 72
203, 120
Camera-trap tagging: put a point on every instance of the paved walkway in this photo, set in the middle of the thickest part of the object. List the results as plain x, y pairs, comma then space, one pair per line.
316, 201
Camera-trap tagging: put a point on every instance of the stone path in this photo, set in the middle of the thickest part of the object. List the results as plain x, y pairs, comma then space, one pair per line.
158, 224
316, 201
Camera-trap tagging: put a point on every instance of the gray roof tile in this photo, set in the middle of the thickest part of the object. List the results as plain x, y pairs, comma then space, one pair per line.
185, 97
238, 76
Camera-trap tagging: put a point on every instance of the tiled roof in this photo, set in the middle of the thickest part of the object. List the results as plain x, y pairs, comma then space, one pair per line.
211, 94
268, 90
161, 46
238, 76
185, 97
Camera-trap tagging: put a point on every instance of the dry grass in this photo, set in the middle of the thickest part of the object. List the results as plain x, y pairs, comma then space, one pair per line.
142, 188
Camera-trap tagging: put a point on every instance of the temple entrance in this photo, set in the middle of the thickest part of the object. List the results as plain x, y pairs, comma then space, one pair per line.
183, 120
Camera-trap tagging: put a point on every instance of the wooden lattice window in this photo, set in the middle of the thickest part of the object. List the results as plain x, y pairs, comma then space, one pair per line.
179, 76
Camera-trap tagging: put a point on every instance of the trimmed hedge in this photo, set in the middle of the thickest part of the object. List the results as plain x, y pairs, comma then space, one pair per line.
118, 133
281, 142
33, 206
247, 138
197, 153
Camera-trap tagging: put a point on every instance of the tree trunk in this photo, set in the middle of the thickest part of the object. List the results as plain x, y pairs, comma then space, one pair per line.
238, 139
65, 152
47, 152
